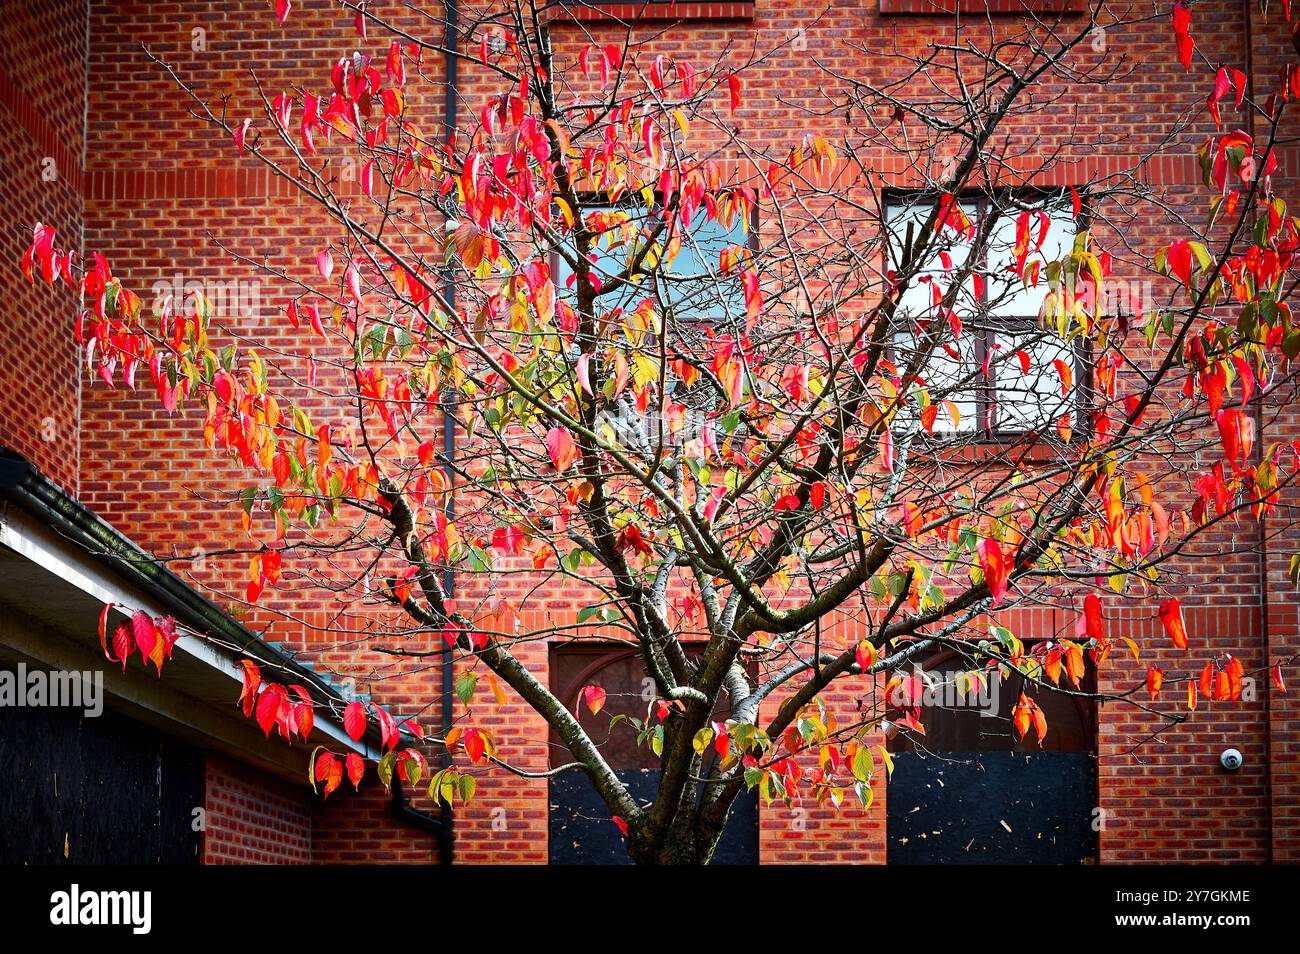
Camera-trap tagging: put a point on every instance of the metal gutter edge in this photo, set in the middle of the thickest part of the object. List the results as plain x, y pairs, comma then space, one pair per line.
25, 486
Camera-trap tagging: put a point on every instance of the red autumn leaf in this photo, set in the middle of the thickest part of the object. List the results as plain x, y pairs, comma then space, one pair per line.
321, 763
996, 569
271, 565
145, 635
475, 745
122, 643
1040, 723
631, 538
356, 769
1277, 678
252, 681
388, 734
1052, 664
1237, 432
1182, 35
313, 318
1022, 716
1074, 662
817, 494
1171, 617
1235, 674
353, 281
1179, 260
103, 630
1155, 679
304, 717
282, 8
354, 720
733, 86
1094, 624
562, 449
325, 263
268, 708
328, 771
622, 825
594, 697
929, 415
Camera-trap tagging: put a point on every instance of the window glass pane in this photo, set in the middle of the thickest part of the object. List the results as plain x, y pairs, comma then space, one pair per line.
1031, 400
917, 299
946, 378
1007, 293
692, 283
1020, 400
617, 243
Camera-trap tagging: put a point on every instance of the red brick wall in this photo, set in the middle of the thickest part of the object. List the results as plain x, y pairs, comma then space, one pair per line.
159, 184
359, 828
254, 818
42, 102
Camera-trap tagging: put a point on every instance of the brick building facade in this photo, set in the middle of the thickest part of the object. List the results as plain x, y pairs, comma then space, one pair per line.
100, 145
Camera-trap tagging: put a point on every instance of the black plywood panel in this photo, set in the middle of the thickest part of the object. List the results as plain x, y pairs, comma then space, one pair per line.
103, 790
582, 833
992, 808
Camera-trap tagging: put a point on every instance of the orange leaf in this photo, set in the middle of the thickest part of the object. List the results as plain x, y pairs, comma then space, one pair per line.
594, 697
1155, 679
994, 564
1171, 617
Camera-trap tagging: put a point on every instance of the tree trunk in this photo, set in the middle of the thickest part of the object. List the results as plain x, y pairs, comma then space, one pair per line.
683, 844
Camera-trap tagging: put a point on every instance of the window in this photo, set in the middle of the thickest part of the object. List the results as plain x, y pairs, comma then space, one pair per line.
691, 285
1005, 374
689, 289
629, 692
960, 715
578, 819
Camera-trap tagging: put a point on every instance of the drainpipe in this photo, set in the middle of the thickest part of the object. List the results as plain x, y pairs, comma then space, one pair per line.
1261, 528
439, 827
451, 110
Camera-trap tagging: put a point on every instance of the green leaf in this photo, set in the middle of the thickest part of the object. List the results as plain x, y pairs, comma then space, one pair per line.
863, 764
385, 768
466, 682
702, 740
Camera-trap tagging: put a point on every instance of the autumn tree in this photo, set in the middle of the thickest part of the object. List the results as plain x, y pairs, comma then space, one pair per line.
737, 390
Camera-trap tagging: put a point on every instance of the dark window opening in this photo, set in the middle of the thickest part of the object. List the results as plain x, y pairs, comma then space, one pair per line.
961, 716
581, 831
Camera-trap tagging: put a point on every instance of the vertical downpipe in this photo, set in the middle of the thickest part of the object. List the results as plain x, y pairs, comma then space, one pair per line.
1260, 525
